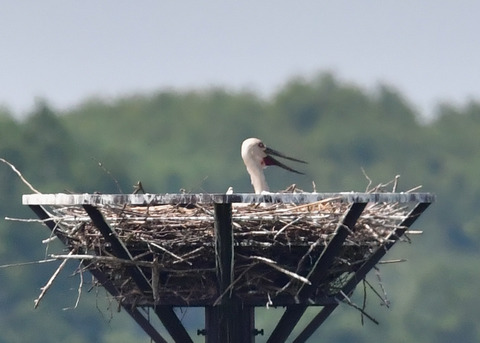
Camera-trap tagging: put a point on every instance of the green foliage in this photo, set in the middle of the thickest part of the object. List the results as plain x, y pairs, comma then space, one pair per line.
191, 140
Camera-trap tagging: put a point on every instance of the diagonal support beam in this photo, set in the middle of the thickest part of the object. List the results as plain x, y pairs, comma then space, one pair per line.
362, 272
132, 311
293, 313
143, 322
119, 249
165, 313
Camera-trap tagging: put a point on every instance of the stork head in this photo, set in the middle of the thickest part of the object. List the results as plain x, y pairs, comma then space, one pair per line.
255, 154
256, 157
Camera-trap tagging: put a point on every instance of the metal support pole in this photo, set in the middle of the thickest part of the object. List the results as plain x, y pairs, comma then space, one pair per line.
224, 249
229, 321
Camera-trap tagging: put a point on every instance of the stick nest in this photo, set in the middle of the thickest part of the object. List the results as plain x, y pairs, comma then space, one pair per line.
276, 247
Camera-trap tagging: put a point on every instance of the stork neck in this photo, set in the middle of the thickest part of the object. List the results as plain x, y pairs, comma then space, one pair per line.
258, 180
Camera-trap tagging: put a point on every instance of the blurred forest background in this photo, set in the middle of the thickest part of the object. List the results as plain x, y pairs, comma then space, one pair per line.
191, 140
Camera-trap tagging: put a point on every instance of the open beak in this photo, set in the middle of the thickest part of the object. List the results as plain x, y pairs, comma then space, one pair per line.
270, 161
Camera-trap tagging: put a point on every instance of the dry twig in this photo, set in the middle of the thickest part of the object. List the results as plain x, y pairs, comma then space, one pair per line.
50, 282
20, 176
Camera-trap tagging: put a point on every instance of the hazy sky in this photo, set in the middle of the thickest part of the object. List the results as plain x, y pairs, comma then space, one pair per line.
65, 51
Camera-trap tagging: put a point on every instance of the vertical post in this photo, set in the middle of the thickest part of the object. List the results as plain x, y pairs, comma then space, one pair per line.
224, 248
229, 321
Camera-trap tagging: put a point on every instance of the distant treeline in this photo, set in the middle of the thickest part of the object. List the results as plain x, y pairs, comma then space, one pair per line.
191, 140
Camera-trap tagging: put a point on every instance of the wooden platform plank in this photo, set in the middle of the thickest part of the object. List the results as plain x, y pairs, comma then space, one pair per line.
61, 199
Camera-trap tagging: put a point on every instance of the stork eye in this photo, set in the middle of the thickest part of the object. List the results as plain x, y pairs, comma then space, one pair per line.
261, 145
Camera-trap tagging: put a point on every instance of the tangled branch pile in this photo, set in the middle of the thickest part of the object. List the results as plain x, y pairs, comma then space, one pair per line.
275, 248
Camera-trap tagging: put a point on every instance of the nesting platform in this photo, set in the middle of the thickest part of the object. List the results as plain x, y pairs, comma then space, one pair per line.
229, 253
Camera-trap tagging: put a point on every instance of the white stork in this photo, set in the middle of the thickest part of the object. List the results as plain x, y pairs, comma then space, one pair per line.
256, 157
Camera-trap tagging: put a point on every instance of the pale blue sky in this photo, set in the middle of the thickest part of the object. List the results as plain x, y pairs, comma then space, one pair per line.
65, 50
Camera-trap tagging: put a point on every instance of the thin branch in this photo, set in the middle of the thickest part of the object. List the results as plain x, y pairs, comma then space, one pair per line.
100, 164
385, 297
274, 265
167, 251
28, 184
233, 284
414, 189
104, 259
355, 306
395, 184
286, 226
22, 220
369, 180
364, 303
393, 261
155, 279
79, 290
50, 282
21, 264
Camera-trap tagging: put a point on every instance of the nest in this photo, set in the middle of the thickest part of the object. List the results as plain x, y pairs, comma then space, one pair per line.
275, 248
